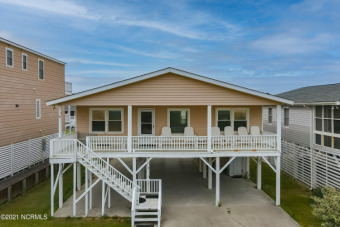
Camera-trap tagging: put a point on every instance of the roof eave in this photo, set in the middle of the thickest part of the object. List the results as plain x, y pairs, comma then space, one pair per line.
317, 103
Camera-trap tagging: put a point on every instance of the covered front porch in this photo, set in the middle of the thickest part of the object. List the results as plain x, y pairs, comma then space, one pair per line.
187, 201
174, 129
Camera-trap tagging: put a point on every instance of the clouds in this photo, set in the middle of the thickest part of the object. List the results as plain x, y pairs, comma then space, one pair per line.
291, 43
257, 45
60, 7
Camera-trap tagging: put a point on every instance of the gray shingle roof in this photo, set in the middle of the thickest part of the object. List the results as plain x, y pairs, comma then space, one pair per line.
314, 94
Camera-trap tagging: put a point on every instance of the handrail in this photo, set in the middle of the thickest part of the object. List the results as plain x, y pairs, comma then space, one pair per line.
74, 147
105, 168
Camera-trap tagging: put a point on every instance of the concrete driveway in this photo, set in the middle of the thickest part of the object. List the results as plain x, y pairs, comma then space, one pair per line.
187, 201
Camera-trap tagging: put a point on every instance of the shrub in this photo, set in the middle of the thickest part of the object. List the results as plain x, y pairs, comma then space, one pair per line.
327, 207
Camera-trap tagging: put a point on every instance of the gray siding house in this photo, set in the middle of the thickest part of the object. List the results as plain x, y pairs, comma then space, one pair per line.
313, 120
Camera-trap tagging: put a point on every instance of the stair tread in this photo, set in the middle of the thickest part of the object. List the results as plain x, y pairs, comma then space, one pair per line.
146, 219
146, 213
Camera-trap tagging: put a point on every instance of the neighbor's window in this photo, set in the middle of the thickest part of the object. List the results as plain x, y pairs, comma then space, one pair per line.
240, 119
9, 57
178, 119
41, 69
24, 61
286, 117
115, 121
223, 119
327, 126
106, 120
37, 109
270, 115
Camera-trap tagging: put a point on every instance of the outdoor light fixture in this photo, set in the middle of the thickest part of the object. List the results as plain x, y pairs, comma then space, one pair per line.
16, 105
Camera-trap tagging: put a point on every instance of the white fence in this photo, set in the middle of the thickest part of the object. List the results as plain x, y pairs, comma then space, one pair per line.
323, 170
18, 156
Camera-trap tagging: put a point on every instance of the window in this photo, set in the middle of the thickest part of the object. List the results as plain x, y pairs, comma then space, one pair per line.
24, 61
98, 121
115, 121
240, 119
40, 69
37, 109
286, 117
9, 57
178, 119
231, 117
327, 126
270, 115
223, 119
106, 120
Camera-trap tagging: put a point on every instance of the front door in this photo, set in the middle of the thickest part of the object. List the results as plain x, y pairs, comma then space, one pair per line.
146, 122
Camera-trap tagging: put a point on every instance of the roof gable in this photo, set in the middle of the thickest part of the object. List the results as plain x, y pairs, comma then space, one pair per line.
163, 72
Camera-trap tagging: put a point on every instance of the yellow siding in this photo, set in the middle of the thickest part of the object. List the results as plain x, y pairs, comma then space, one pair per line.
170, 90
23, 88
198, 118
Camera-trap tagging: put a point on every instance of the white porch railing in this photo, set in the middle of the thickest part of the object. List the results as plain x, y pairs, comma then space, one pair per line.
171, 143
247, 142
183, 143
149, 186
107, 143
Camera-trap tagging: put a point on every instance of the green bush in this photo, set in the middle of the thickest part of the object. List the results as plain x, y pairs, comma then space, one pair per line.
327, 207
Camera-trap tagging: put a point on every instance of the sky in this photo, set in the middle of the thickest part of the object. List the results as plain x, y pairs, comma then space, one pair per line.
269, 46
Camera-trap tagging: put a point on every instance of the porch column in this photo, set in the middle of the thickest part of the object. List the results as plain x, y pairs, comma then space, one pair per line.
204, 170
217, 162
148, 171
60, 129
278, 178
278, 158
78, 176
52, 191
75, 119
129, 139
134, 170
61, 187
209, 128
74, 188
259, 172
210, 175
278, 127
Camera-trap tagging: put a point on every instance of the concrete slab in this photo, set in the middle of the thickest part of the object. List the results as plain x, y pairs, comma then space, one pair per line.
187, 201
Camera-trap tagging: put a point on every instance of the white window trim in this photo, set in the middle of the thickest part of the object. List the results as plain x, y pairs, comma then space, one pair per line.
43, 69
284, 118
37, 117
153, 120
178, 109
270, 123
106, 120
323, 133
10, 66
22, 62
231, 116
232, 110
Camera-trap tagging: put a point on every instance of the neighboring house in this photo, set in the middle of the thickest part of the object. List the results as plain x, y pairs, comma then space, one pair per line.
314, 119
165, 114
28, 80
